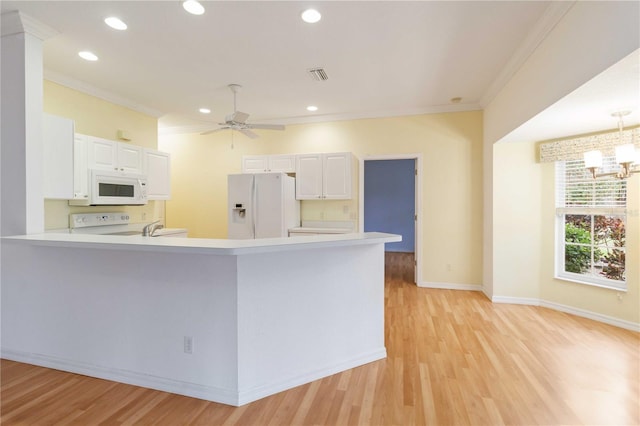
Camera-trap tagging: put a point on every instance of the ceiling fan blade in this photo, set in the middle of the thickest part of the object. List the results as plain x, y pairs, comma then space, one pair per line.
266, 126
248, 133
213, 131
238, 117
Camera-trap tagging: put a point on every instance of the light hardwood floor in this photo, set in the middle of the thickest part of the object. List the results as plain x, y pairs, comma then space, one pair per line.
454, 358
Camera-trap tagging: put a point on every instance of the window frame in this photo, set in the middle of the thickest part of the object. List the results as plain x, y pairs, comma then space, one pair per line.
561, 211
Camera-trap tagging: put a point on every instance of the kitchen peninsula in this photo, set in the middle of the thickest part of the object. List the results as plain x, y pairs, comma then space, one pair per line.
230, 321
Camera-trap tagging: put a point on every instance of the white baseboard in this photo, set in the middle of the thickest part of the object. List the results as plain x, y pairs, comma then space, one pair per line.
263, 391
194, 390
516, 300
450, 286
627, 325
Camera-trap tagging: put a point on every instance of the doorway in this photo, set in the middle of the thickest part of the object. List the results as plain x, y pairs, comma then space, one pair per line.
389, 190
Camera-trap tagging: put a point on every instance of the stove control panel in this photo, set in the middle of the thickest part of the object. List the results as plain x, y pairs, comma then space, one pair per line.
84, 220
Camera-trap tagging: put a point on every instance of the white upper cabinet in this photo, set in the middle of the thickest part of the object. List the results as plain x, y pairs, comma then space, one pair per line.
57, 149
336, 176
130, 158
282, 163
309, 176
80, 167
104, 154
255, 164
157, 167
323, 176
268, 163
101, 153
90, 152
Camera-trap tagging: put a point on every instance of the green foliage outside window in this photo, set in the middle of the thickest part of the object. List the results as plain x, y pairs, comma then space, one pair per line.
577, 258
607, 244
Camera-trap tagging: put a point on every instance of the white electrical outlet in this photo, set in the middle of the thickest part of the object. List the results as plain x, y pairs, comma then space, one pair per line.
188, 344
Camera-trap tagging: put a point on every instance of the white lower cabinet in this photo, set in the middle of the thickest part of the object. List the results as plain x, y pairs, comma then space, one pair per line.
323, 176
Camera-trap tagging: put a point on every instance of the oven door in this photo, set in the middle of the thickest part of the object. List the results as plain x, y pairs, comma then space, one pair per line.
110, 189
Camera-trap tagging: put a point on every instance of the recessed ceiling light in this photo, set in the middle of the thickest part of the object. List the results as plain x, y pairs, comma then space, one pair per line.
193, 6
89, 56
115, 23
205, 110
312, 108
311, 16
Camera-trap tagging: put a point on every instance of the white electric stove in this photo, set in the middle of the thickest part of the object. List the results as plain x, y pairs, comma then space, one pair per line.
115, 224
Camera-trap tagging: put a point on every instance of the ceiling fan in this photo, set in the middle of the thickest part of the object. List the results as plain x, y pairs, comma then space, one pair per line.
238, 120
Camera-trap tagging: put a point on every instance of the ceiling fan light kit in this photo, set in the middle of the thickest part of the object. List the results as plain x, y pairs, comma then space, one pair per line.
238, 120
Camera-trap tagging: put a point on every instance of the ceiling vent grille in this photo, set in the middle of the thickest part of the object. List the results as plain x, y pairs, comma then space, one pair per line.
318, 74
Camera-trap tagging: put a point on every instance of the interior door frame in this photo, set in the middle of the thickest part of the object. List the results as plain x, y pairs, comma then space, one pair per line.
417, 198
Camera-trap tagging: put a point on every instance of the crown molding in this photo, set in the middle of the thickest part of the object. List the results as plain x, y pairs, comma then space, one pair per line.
552, 16
88, 89
16, 22
197, 128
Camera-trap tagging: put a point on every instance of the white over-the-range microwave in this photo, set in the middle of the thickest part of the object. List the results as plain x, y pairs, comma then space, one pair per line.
107, 188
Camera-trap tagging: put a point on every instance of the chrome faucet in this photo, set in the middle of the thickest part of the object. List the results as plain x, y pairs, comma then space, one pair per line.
149, 229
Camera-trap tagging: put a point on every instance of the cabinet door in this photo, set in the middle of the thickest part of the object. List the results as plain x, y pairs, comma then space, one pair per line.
282, 163
157, 167
255, 164
102, 154
80, 167
309, 177
337, 176
57, 170
129, 158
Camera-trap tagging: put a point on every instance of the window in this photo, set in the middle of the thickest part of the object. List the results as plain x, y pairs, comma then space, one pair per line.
590, 220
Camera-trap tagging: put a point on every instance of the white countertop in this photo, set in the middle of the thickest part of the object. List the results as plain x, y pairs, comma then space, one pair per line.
202, 245
321, 230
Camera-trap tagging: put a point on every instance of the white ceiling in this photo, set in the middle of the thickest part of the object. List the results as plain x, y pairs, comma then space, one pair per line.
382, 58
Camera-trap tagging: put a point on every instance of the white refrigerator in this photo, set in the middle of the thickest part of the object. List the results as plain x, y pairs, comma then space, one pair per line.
262, 205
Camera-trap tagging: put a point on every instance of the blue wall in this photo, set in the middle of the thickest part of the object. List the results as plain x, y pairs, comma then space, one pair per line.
389, 200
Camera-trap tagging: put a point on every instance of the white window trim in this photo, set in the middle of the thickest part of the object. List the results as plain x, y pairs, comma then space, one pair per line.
561, 274
559, 267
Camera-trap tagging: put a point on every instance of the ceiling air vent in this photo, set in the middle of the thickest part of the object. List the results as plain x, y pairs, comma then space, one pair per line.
318, 74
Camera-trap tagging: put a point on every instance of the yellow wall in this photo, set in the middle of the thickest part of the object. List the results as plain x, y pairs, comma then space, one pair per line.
524, 238
516, 221
451, 148
96, 117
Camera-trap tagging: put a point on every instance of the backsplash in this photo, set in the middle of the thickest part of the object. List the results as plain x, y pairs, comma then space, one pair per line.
329, 210
56, 212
